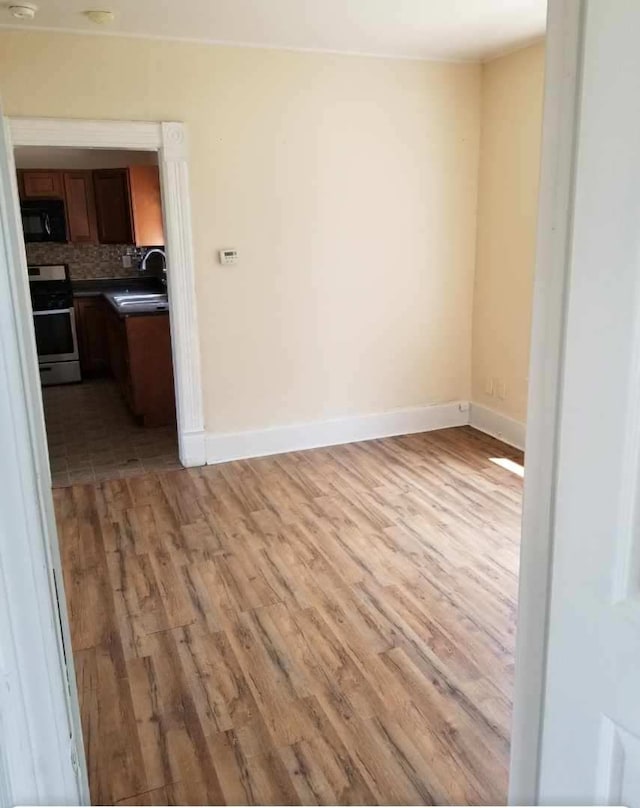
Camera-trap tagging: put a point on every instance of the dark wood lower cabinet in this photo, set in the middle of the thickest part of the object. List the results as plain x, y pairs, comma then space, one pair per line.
92, 335
117, 344
135, 350
140, 360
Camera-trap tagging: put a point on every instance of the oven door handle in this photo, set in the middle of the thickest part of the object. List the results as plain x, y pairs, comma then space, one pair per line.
52, 311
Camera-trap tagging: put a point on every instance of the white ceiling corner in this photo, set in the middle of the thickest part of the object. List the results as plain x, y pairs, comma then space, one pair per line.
456, 30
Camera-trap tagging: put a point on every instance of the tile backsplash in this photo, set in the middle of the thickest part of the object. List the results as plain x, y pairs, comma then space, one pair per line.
87, 261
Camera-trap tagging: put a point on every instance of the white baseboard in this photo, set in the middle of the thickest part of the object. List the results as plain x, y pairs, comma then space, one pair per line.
193, 448
276, 440
497, 425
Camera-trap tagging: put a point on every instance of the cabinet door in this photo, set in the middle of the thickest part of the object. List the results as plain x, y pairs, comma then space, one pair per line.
151, 369
113, 208
146, 206
81, 213
92, 334
116, 343
119, 356
42, 184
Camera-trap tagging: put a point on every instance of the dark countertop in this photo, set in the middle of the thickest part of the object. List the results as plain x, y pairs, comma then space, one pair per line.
101, 286
107, 287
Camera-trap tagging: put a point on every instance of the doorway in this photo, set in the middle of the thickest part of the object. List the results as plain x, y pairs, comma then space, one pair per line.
167, 142
95, 247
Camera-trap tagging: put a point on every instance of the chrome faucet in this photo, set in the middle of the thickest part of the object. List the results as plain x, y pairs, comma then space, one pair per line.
154, 251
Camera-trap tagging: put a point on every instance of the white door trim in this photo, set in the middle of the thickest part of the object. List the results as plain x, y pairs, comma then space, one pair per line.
550, 305
169, 139
39, 713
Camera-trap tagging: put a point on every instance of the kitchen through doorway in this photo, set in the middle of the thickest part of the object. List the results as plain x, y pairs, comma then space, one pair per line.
94, 240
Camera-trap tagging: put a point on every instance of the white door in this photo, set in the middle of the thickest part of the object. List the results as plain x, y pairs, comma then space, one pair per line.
590, 741
41, 756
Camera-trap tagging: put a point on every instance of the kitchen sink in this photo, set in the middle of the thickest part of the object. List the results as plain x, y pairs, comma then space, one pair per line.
140, 301
142, 297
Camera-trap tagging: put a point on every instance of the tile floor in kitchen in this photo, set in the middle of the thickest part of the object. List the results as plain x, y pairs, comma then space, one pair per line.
92, 436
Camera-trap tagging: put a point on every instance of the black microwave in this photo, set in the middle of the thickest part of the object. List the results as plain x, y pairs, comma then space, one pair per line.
43, 220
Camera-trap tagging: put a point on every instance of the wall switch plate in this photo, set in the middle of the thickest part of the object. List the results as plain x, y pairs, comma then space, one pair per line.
228, 257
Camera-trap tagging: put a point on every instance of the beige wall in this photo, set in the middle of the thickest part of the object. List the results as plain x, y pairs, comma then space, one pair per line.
347, 184
512, 89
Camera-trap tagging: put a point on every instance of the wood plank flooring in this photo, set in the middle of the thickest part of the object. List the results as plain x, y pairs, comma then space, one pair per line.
325, 627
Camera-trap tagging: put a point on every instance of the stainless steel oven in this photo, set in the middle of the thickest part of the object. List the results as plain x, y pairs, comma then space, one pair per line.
54, 324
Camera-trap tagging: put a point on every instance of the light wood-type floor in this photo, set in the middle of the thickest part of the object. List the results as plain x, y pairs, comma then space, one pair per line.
332, 626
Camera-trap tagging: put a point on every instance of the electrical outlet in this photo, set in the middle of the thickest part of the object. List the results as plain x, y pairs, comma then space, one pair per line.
488, 386
126, 261
502, 389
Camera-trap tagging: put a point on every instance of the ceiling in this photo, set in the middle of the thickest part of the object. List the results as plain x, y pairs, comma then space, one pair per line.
420, 29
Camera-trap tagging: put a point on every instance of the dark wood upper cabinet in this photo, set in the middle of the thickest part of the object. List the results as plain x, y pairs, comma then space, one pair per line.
107, 206
113, 209
80, 206
40, 184
128, 206
146, 206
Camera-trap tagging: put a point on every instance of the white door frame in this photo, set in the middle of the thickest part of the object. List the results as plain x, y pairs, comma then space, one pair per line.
550, 307
169, 140
41, 753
